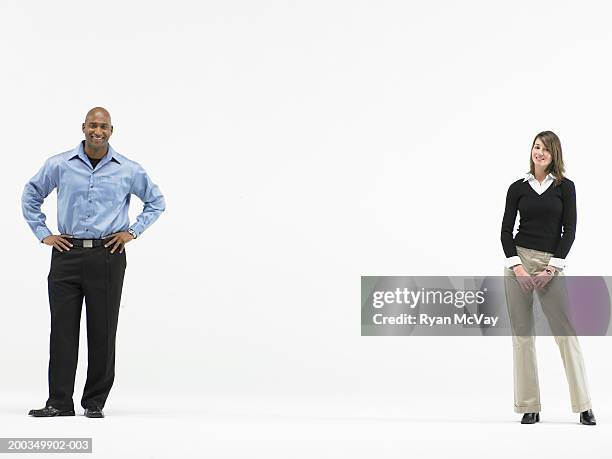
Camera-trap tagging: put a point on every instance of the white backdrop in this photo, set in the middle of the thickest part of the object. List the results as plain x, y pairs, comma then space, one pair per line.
301, 145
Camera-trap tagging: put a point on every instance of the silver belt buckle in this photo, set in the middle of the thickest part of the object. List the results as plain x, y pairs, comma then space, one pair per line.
87, 243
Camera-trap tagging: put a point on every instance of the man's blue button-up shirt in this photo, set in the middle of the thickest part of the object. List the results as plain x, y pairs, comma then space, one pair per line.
91, 203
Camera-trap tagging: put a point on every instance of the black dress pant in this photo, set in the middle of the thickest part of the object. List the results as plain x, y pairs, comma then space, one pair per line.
96, 275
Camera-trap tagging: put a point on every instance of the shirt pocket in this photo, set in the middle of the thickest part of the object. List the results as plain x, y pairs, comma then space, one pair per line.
113, 189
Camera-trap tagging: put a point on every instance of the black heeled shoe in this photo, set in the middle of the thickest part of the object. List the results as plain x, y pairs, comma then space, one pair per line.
530, 418
587, 418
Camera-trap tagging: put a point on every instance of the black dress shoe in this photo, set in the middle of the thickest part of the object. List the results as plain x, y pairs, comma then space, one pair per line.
94, 413
530, 418
587, 418
49, 411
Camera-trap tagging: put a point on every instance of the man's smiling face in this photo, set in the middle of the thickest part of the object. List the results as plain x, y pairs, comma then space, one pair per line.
97, 129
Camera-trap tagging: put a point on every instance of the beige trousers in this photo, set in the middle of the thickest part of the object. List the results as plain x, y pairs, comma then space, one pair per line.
553, 298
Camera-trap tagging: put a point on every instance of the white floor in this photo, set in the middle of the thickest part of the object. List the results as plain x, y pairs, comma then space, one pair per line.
319, 428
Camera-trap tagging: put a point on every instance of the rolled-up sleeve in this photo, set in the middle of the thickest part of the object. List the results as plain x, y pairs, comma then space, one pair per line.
152, 197
34, 194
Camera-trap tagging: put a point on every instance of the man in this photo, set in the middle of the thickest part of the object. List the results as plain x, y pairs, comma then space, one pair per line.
94, 184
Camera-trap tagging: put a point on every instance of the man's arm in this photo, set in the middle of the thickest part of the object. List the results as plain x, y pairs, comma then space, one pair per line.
151, 196
34, 193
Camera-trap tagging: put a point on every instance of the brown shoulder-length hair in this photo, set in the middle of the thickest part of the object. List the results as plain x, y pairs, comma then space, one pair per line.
553, 145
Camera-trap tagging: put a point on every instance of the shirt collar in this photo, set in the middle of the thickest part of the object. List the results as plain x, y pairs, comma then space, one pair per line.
79, 151
530, 176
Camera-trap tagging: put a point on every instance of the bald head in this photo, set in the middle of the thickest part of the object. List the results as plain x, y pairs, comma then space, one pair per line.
101, 110
97, 129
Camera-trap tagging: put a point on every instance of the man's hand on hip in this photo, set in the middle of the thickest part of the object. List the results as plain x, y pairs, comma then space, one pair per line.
59, 241
119, 240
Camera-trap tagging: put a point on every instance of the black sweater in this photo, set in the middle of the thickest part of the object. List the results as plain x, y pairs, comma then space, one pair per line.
542, 217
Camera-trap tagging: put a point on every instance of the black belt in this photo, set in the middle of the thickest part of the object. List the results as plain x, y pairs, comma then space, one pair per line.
87, 243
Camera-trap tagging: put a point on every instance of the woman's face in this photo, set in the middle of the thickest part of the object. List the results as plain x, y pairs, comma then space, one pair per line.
540, 155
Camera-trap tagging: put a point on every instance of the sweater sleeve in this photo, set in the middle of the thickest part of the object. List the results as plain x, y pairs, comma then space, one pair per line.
507, 229
568, 192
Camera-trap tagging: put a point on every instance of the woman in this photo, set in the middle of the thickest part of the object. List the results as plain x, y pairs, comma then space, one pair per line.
546, 201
